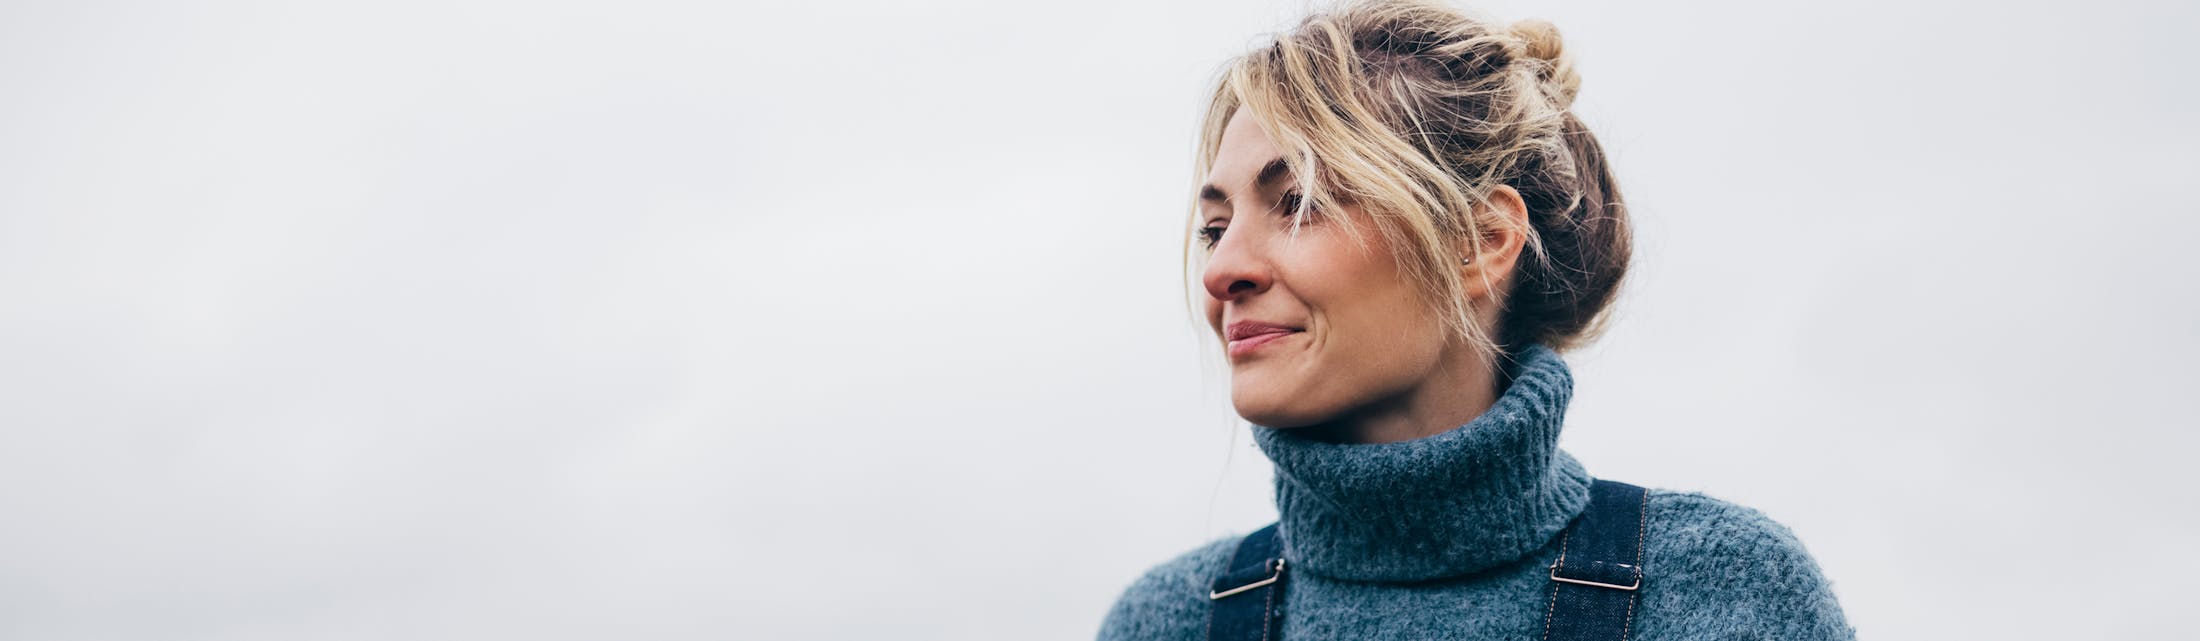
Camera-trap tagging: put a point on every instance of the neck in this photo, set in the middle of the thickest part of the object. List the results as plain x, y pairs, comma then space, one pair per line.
1479, 495
1462, 388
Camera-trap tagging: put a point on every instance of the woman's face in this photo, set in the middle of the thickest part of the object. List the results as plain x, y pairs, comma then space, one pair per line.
1358, 340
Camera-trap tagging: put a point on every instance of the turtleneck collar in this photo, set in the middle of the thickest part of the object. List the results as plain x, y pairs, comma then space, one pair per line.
1465, 500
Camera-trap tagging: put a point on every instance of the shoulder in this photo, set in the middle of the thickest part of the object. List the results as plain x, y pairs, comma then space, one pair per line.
1169, 601
1698, 521
1730, 571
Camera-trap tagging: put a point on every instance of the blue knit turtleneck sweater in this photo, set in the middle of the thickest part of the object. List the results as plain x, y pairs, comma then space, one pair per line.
1451, 536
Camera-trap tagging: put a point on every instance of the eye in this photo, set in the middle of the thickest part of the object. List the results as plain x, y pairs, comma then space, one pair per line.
1210, 235
1290, 203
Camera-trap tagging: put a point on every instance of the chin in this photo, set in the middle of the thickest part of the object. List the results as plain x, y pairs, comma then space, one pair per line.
1269, 412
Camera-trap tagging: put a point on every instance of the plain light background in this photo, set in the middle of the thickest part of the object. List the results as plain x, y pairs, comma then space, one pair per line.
462, 320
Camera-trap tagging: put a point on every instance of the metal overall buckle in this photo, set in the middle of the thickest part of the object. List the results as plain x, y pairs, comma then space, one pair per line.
1273, 574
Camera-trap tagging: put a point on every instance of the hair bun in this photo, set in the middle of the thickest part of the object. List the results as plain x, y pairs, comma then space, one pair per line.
1539, 41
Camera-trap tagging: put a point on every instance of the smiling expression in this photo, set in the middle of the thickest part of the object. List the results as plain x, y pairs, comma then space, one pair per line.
1318, 325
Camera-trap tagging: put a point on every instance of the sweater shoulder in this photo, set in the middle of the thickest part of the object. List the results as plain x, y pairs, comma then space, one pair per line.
1731, 571
1700, 522
1169, 601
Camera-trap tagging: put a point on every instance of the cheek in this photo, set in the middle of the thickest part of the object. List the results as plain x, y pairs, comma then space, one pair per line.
1346, 283
1366, 308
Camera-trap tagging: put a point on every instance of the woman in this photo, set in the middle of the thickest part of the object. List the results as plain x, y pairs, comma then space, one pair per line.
1401, 228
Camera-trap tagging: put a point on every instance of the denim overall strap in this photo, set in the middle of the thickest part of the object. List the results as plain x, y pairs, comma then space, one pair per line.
1599, 567
1248, 597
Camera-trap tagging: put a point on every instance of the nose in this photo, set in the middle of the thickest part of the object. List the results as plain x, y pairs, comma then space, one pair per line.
1236, 269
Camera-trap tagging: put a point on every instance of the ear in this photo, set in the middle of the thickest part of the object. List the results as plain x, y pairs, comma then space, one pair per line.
1504, 235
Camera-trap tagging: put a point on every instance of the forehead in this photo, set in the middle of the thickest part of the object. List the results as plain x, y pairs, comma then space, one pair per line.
1243, 150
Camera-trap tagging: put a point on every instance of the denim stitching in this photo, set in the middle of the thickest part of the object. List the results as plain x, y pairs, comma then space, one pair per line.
1268, 611
1554, 586
1642, 522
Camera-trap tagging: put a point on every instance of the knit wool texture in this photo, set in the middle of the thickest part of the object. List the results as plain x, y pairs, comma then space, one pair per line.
1452, 536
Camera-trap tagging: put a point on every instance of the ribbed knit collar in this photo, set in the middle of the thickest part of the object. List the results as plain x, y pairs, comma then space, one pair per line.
1468, 499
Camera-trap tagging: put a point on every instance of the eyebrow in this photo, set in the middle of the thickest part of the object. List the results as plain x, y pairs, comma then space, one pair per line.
1268, 174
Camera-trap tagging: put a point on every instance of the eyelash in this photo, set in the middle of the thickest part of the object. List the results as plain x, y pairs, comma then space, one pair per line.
1212, 235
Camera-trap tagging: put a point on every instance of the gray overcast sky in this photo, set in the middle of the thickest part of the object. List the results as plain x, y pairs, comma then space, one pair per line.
458, 320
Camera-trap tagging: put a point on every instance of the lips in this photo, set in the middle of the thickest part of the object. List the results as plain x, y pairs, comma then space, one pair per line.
1245, 346
1242, 330
1245, 336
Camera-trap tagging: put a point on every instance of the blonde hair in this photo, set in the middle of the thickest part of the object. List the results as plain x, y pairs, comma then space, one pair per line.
1414, 111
